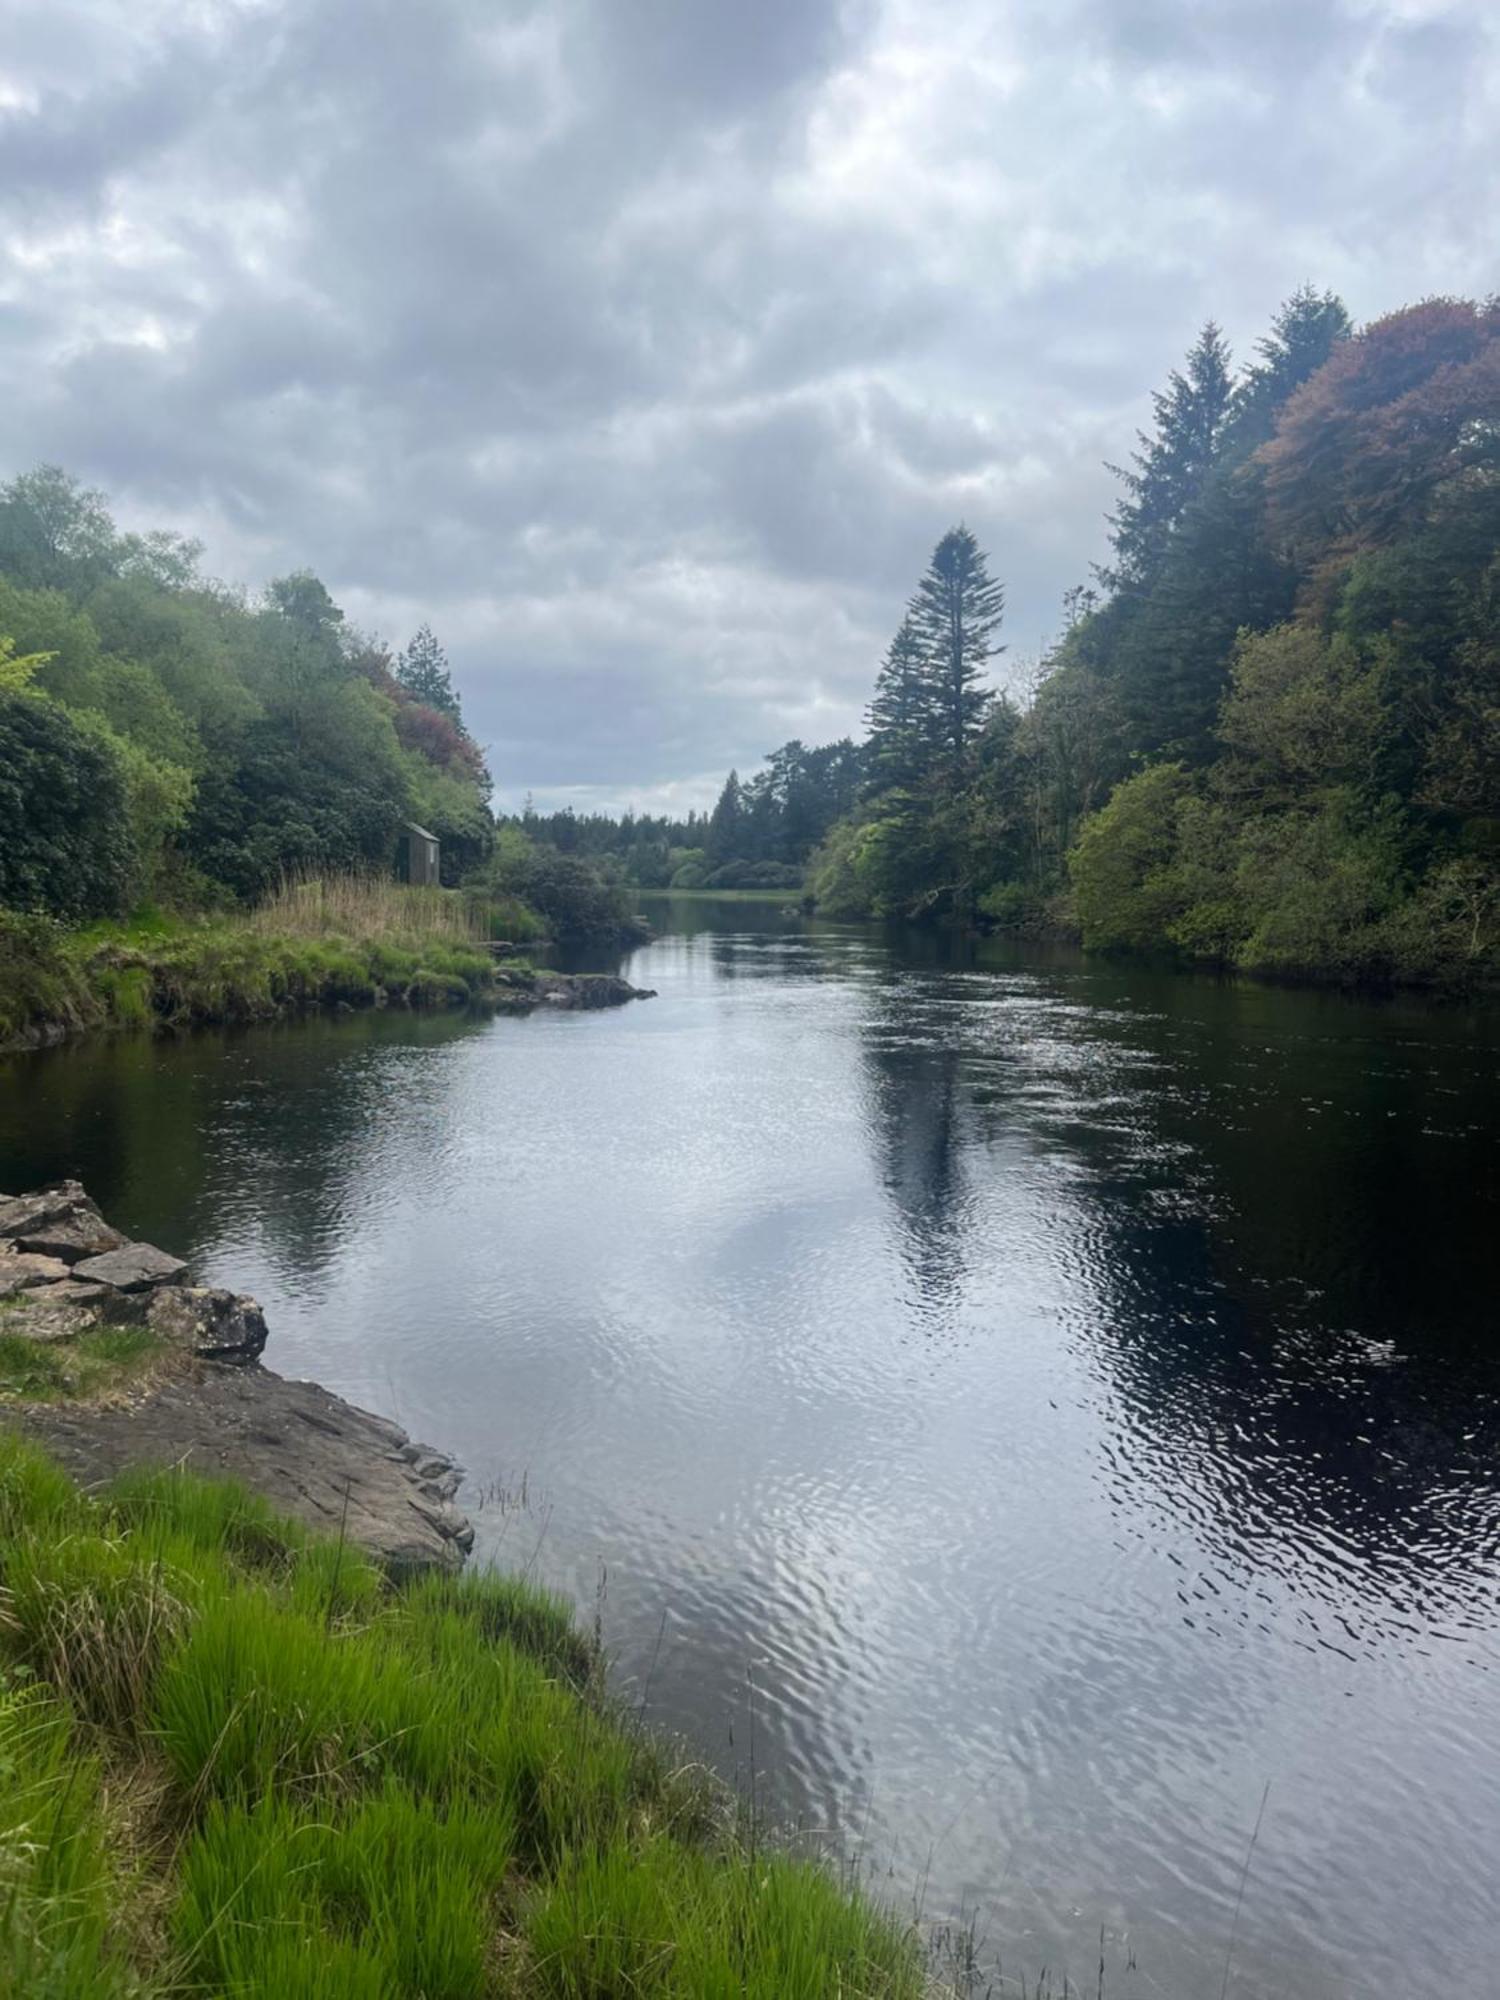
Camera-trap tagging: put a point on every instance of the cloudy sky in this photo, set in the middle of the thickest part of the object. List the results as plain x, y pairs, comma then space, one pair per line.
645, 347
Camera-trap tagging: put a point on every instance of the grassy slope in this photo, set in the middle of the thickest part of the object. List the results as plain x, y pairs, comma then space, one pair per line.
237, 1761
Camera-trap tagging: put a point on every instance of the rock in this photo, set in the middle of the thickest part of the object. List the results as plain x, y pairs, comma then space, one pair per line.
23, 1271
310, 1454
73, 1238
133, 1268
216, 1325
585, 990
27, 1214
54, 1312
337, 1468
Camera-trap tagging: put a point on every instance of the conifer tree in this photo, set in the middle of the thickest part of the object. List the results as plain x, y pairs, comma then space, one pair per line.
1303, 335
423, 671
954, 616
1174, 463
902, 718
726, 825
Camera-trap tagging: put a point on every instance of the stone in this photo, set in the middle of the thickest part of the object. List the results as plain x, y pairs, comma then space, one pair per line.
25, 1214
22, 1271
309, 1453
216, 1325
72, 1238
132, 1268
53, 1313
583, 991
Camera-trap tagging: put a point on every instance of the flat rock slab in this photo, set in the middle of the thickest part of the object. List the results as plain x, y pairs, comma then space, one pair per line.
75, 1237
308, 1452
21, 1271
131, 1269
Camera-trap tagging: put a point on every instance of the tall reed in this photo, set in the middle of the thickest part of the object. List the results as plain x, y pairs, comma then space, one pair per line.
365, 905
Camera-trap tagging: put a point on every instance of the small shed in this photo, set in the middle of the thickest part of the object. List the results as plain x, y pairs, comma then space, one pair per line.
417, 856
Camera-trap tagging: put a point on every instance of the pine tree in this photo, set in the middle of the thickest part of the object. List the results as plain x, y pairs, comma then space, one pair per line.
423, 671
902, 718
1173, 465
1303, 335
726, 823
954, 616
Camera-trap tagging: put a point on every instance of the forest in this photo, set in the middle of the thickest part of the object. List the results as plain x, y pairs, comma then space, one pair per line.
1268, 736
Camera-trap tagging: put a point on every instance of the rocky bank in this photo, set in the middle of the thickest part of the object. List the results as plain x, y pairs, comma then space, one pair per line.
206, 1401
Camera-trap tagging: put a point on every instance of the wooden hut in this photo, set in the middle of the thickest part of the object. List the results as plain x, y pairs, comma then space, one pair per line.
417, 856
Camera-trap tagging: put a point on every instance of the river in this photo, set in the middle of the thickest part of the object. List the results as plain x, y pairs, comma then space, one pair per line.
1025, 1420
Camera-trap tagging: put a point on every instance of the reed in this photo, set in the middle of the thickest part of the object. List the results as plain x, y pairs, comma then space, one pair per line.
363, 907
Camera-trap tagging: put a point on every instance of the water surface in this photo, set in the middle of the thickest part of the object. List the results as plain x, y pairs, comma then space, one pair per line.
1021, 1417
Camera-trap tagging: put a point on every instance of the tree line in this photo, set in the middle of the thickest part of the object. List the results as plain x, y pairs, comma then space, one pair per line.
759, 835
1269, 734
167, 739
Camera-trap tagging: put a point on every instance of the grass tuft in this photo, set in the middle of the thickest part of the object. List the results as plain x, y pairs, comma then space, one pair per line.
33, 1371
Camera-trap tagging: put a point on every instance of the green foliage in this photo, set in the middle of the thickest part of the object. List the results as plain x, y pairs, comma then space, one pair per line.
18, 670
575, 897
1273, 743
904, 719
423, 671
362, 943
65, 834
232, 742
771, 822
1175, 462
953, 619
1124, 881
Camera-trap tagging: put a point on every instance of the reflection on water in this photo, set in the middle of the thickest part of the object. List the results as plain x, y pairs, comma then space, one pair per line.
1042, 1408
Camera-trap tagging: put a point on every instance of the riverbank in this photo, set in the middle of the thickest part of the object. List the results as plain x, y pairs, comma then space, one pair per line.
303, 953
247, 1746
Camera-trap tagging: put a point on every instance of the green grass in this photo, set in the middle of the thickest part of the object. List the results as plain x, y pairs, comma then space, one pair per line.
354, 1787
78, 1370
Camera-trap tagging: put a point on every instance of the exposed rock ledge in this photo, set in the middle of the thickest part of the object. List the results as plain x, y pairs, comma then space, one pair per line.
520, 989
65, 1272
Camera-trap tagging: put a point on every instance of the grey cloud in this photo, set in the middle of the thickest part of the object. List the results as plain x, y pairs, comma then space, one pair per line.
646, 347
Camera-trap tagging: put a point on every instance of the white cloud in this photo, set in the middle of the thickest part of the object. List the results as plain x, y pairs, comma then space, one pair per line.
646, 348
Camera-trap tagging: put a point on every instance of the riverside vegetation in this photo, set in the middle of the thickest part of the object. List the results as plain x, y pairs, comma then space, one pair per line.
1269, 737
237, 1759
243, 1754
201, 795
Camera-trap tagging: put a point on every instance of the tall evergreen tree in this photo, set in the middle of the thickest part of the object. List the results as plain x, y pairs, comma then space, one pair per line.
726, 825
1303, 335
1174, 463
902, 718
423, 671
954, 616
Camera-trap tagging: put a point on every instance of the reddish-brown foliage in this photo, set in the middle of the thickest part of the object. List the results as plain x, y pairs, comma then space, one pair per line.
1395, 415
437, 736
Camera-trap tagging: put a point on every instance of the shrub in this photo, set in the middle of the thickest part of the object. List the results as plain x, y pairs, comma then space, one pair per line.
65, 836
1121, 864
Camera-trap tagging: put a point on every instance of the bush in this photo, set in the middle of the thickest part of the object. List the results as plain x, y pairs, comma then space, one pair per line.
572, 895
754, 875
65, 836
1127, 894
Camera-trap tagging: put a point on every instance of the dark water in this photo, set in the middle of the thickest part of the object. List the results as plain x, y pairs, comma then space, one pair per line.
1030, 1414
